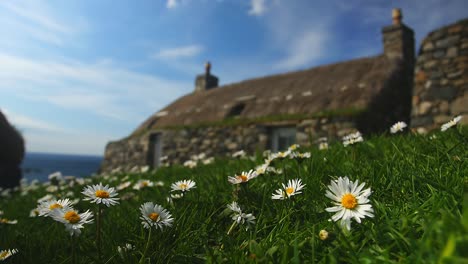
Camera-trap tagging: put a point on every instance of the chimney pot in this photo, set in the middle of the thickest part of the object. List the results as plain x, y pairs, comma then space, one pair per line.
207, 68
397, 16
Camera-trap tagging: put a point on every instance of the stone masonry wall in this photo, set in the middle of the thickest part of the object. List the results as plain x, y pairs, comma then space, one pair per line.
441, 77
181, 144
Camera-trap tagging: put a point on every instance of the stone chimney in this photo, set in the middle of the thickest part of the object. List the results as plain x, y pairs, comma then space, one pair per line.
398, 39
206, 81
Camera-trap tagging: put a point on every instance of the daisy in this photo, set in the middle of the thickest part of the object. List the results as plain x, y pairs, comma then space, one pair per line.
323, 145
184, 185
243, 177
46, 197
100, 194
155, 215
34, 212
190, 164
73, 220
294, 187
280, 155
8, 221
398, 126
143, 184
123, 185
239, 154
4, 254
451, 123
239, 217
304, 155
352, 138
350, 200
261, 169
293, 147
47, 207
56, 176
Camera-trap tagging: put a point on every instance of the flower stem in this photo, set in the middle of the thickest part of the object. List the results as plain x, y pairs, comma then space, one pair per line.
142, 259
98, 232
232, 227
73, 249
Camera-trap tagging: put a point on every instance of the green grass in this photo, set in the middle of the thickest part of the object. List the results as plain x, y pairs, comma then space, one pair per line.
417, 194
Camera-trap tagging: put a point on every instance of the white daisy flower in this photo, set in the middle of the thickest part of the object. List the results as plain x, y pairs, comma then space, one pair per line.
352, 138
34, 212
351, 201
243, 177
177, 195
144, 169
8, 221
56, 176
73, 220
4, 254
52, 188
293, 147
184, 185
294, 187
304, 155
143, 184
280, 155
190, 164
451, 123
47, 207
46, 197
323, 145
100, 194
155, 215
208, 161
398, 126
261, 169
123, 185
239, 217
239, 154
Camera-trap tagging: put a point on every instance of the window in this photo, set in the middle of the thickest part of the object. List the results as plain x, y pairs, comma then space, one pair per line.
282, 138
155, 150
236, 110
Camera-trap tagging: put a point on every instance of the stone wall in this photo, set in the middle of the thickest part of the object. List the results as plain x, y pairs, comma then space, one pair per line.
441, 77
179, 145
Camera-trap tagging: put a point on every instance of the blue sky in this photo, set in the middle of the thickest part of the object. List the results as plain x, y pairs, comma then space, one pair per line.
77, 74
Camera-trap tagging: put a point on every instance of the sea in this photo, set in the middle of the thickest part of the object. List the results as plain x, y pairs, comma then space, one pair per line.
40, 165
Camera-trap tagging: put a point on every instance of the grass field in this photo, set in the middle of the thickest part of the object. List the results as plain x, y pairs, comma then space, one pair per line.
417, 185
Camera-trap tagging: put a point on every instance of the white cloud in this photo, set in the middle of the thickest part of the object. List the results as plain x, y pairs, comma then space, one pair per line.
304, 49
28, 123
257, 7
101, 89
179, 52
36, 20
172, 4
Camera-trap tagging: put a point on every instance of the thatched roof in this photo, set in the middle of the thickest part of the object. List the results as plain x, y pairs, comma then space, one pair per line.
344, 85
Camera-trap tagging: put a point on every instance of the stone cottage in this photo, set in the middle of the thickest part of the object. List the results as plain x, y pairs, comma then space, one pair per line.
368, 94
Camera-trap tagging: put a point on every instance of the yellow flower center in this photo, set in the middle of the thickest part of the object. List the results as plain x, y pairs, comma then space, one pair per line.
102, 194
242, 177
3, 220
289, 190
55, 206
72, 217
183, 186
3, 254
144, 184
154, 216
349, 201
